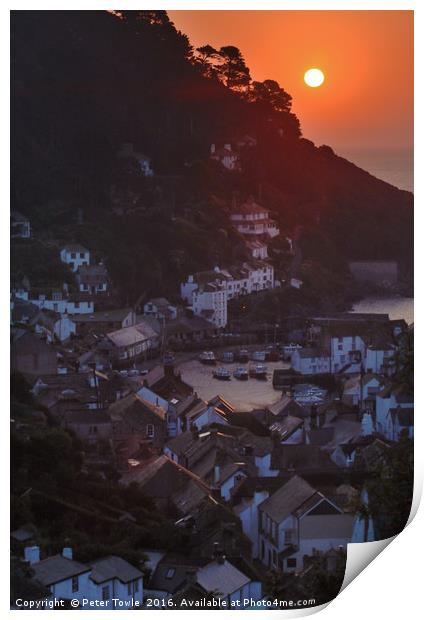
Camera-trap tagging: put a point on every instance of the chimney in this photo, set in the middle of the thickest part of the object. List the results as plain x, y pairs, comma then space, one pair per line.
32, 555
212, 149
67, 552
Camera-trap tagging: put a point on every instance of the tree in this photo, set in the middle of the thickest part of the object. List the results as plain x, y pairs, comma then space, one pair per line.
270, 92
207, 56
232, 69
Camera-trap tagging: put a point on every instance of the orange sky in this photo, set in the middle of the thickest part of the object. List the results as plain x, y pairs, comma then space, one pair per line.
367, 57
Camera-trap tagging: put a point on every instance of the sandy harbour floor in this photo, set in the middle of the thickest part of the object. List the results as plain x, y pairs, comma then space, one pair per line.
244, 395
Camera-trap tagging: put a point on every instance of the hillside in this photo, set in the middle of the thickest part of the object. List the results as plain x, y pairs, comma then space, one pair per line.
84, 83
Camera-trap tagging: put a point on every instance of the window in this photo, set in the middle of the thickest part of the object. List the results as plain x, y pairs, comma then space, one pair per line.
343, 359
291, 562
55, 307
129, 588
170, 573
75, 585
73, 255
105, 593
340, 347
150, 430
274, 557
288, 536
82, 255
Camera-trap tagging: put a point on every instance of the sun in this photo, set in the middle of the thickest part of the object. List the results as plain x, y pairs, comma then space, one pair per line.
314, 77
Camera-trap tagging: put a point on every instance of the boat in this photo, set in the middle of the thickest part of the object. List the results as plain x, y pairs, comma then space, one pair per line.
258, 371
207, 357
222, 373
227, 356
241, 373
259, 356
243, 355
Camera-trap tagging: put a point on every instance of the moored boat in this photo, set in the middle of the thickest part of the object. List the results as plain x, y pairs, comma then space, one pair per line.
241, 374
207, 357
243, 355
258, 371
227, 356
222, 373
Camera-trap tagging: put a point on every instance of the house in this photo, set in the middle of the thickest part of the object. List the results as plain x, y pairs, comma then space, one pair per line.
160, 308
253, 219
222, 455
22, 311
105, 581
88, 425
75, 255
30, 354
141, 161
92, 279
258, 249
310, 361
296, 521
167, 390
131, 343
231, 580
58, 299
104, 321
362, 389
226, 157
134, 416
53, 326
61, 393
387, 402
189, 329
351, 342
175, 489
210, 303
400, 423
20, 226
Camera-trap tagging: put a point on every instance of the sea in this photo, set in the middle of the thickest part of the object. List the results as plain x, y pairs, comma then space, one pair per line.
395, 307
396, 166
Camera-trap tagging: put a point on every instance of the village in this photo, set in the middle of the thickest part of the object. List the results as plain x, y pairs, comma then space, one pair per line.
258, 443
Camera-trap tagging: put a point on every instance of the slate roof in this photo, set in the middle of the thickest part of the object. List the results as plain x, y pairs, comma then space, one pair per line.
223, 578
57, 568
114, 567
289, 498
129, 336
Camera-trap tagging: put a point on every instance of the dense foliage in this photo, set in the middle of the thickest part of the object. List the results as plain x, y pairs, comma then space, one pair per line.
84, 82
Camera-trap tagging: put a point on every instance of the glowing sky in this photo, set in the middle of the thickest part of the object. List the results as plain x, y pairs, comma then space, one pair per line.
366, 100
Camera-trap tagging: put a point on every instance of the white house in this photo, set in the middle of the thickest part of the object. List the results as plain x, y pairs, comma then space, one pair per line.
210, 302
298, 521
229, 584
75, 255
92, 279
400, 423
356, 389
111, 581
247, 511
310, 361
347, 353
252, 219
387, 402
54, 326
258, 249
160, 308
226, 156
380, 358
57, 300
